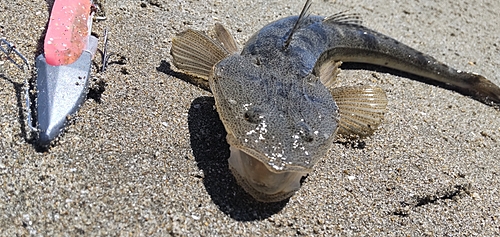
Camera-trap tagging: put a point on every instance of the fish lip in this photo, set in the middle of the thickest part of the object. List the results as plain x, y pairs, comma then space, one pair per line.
286, 183
258, 195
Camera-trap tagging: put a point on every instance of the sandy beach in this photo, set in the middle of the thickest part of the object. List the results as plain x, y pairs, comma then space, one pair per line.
146, 155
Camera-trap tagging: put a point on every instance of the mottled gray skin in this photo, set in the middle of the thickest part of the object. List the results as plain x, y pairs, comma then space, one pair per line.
277, 111
281, 113
321, 39
307, 44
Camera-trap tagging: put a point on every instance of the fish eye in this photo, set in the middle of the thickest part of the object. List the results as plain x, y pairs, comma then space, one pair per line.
305, 132
306, 136
254, 115
256, 61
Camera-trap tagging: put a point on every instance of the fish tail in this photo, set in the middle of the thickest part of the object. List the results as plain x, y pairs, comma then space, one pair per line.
370, 47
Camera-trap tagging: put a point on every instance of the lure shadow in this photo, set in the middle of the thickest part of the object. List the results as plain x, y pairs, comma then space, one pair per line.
26, 134
18, 88
96, 90
211, 151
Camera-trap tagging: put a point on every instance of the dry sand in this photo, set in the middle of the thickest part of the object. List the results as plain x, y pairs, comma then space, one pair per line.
146, 154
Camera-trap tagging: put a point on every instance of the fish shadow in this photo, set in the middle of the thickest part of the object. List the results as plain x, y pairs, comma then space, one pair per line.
166, 68
211, 151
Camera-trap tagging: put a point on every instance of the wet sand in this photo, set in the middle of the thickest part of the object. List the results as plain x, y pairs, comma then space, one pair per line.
146, 154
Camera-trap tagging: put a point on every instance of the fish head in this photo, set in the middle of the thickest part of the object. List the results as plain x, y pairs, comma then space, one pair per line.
279, 124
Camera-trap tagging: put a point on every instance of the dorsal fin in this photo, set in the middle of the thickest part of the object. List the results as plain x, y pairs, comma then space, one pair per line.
225, 38
344, 18
303, 15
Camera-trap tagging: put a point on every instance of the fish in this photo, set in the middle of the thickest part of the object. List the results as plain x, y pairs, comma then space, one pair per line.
277, 100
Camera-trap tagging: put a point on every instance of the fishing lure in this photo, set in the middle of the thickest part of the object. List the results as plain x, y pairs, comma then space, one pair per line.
63, 70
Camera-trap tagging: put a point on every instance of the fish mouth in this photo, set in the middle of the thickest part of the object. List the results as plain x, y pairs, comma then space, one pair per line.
261, 183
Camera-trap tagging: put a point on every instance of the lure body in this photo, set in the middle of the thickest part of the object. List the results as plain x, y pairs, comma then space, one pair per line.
64, 68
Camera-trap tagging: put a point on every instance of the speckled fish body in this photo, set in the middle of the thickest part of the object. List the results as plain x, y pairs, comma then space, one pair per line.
287, 116
327, 39
279, 117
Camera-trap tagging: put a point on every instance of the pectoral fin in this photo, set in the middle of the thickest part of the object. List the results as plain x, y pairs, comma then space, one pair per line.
328, 72
361, 108
195, 53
